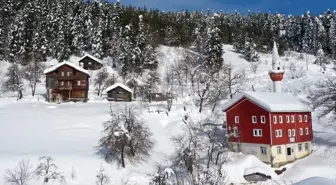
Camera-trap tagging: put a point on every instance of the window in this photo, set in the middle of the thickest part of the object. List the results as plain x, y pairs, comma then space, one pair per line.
263, 150
287, 119
306, 146
275, 119
257, 132
68, 83
236, 119
235, 131
278, 133
306, 118
78, 83
300, 147
293, 132
293, 118
68, 73
307, 131
263, 119
254, 119
278, 149
62, 73
289, 133
90, 63
62, 83
300, 118
301, 131
280, 119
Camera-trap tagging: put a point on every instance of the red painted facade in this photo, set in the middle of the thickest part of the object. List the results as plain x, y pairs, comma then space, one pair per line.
246, 109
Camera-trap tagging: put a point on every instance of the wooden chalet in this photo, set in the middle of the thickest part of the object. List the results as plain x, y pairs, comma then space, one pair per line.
90, 62
119, 92
67, 82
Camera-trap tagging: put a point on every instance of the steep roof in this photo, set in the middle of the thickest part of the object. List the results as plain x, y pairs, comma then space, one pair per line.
92, 57
119, 85
55, 67
272, 102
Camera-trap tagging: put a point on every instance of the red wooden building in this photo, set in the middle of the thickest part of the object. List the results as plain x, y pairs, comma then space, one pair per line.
67, 82
274, 126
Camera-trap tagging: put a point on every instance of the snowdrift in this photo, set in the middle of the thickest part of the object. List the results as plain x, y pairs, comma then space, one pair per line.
245, 165
316, 181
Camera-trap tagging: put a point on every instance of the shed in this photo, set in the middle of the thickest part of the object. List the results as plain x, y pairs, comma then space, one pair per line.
90, 62
119, 92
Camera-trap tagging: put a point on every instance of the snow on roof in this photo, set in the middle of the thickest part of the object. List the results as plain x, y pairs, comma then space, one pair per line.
119, 85
272, 102
53, 68
92, 57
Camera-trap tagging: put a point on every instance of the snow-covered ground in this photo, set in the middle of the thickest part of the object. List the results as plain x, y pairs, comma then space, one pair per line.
69, 132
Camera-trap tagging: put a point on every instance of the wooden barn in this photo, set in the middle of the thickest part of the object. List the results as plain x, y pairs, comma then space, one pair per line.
119, 92
90, 62
67, 82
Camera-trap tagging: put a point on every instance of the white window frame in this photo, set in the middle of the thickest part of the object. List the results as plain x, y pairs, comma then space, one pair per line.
292, 118
293, 132
289, 133
280, 132
307, 131
301, 131
306, 146
275, 119
263, 150
257, 132
235, 132
306, 118
236, 119
263, 119
300, 147
62, 83
287, 119
90, 63
68, 73
254, 119
300, 118
68, 83
278, 149
280, 119
62, 73
78, 83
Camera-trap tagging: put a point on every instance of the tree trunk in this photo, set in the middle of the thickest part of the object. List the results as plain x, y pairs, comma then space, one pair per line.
33, 89
122, 156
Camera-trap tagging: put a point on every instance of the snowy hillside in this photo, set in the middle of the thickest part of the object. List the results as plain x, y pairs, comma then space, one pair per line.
69, 132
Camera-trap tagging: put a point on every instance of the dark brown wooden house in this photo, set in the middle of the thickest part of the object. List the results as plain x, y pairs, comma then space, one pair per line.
90, 62
119, 92
67, 82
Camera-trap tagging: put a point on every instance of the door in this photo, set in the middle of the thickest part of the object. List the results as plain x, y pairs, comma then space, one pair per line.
290, 154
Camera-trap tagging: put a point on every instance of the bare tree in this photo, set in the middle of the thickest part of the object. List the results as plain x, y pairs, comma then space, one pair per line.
323, 97
295, 71
151, 84
33, 73
100, 80
202, 88
102, 178
125, 137
163, 176
20, 175
254, 66
13, 80
48, 171
233, 79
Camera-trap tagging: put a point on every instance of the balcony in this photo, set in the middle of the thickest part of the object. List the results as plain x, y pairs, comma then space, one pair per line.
65, 86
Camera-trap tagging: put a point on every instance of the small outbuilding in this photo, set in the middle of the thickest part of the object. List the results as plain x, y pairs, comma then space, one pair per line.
119, 92
90, 62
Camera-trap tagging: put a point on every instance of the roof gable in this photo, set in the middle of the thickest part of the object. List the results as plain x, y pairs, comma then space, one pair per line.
92, 57
272, 102
55, 67
119, 85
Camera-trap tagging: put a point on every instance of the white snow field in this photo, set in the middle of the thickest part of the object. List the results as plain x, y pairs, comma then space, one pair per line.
69, 132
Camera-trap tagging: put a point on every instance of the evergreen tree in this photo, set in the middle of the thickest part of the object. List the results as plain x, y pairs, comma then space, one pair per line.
214, 50
97, 41
126, 55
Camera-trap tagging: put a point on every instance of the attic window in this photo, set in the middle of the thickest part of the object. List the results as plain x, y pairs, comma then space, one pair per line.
236, 119
254, 119
62, 73
263, 119
90, 63
287, 119
275, 119
278, 68
306, 118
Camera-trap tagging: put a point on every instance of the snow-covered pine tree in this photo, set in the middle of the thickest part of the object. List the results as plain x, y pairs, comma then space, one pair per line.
126, 54
250, 53
77, 31
200, 35
115, 41
321, 59
97, 40
171, 36
214, 51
